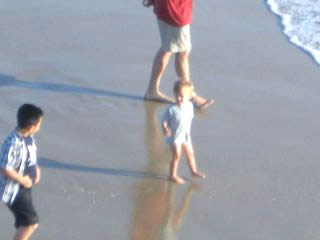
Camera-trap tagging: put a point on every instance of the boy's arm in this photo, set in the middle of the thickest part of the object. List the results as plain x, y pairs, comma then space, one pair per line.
38, 175
25, 181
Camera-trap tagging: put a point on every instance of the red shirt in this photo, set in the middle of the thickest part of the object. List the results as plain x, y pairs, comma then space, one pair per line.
174, 12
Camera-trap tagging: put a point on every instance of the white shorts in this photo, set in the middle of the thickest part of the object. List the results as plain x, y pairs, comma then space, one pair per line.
174, 39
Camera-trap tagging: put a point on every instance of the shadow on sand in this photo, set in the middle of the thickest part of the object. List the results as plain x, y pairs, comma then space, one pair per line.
54, 164
11, 81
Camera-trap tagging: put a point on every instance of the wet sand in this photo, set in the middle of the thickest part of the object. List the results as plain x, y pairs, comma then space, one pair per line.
104, 162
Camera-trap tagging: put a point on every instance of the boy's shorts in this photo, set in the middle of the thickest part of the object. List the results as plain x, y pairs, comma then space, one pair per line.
23, 210
174, 39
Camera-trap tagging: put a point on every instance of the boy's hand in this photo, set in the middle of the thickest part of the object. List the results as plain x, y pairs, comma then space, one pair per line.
26, 182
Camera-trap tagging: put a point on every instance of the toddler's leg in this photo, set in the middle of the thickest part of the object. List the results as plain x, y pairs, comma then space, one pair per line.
188, 149
176, 154
24, 233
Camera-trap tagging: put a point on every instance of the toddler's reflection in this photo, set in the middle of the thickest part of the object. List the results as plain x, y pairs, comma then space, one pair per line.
157, 216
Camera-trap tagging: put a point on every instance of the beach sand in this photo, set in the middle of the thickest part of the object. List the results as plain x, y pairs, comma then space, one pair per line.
103, 157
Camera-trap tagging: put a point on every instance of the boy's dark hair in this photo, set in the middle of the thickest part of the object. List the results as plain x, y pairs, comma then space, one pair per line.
28, 115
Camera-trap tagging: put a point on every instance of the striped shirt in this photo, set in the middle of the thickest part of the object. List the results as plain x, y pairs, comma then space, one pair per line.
17, 153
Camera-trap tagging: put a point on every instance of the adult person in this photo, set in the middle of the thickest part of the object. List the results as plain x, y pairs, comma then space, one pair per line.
174, 20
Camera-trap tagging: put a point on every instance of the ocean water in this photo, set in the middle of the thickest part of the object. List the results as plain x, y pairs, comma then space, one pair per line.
301, 22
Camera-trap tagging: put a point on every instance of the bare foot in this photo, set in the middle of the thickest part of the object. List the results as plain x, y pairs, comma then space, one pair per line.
178, 180
206, 104
198, 174
158, 97
200, 102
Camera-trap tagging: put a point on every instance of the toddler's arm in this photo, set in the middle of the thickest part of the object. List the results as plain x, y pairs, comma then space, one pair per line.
166, 129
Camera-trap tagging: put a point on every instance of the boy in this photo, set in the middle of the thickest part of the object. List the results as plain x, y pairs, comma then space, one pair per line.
19, 170
176, 125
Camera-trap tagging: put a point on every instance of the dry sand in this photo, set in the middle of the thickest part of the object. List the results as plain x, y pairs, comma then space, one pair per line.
103, 159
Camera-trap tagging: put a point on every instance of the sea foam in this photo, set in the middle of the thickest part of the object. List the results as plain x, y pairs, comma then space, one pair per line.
301, 22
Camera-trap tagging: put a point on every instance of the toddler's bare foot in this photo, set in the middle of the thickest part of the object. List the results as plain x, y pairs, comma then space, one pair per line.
198, 174
178, 180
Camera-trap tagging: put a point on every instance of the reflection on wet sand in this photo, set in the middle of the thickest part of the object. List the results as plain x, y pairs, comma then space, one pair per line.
156, 216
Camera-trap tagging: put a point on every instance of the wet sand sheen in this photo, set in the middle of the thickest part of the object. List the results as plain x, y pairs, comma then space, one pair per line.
101, 150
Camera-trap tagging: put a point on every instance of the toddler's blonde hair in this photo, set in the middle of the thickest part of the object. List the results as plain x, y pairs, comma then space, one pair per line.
182, 86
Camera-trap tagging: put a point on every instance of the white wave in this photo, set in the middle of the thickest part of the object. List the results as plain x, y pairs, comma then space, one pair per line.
301, 22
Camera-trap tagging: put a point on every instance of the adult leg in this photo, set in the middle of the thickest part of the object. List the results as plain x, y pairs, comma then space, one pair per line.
182, 65
188, 149
183, 72
176, 154
24, 233
160, 64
